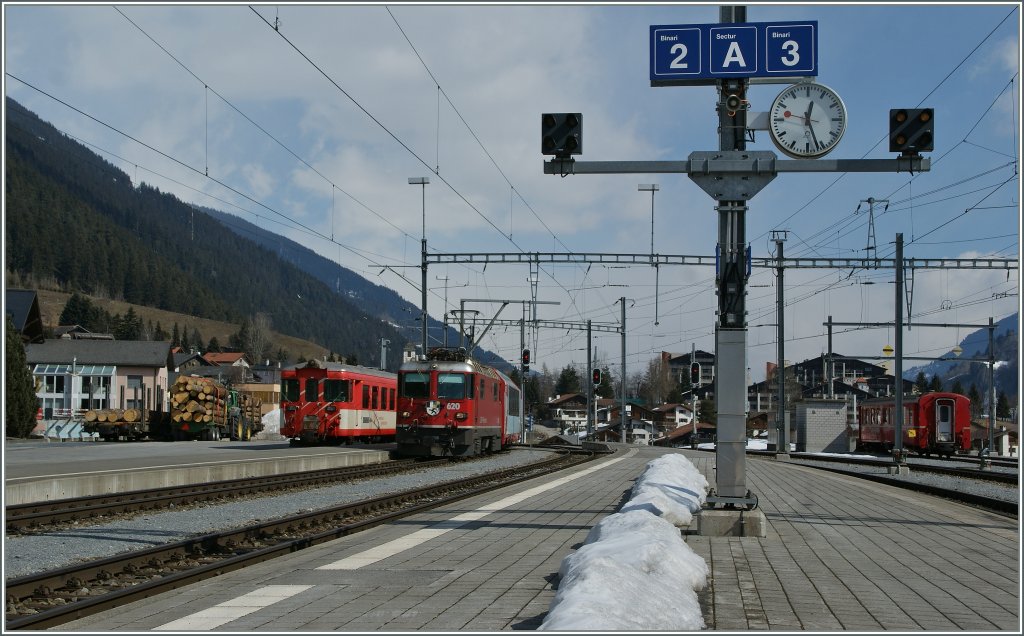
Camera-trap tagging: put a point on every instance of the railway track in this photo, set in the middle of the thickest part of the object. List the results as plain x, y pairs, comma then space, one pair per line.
43, 515
963, 473
52, 598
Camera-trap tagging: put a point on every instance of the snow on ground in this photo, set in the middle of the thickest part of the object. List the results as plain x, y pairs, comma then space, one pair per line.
634, 571
271, 425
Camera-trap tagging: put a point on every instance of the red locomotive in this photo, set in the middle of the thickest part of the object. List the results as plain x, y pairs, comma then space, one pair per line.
937, 423
327, 402
451, 405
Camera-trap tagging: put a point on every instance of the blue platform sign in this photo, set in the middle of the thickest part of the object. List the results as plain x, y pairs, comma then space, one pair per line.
704, 53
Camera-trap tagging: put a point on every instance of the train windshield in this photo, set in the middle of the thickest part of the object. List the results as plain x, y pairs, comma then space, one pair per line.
452, 386
290, 390
414, 385
336, 390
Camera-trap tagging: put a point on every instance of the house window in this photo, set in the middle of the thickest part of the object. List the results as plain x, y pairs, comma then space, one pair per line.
135, 392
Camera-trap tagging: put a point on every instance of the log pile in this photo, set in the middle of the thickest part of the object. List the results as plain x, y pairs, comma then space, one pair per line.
250, 407
113, 416
198, 400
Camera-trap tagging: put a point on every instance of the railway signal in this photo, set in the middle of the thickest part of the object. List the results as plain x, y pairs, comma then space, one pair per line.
561, 134
526, 360
596, 377
911, 130
695, 374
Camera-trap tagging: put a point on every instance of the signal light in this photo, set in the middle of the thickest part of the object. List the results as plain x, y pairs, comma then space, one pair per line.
695, 374
596, 377
561, 134
911, 130
526, 359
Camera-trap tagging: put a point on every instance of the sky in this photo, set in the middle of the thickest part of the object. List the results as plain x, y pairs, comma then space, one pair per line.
313, 129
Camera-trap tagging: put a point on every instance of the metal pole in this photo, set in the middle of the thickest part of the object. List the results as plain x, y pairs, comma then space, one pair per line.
829, 366
422, 182
992, 384
445, 315
522, 371
652, 188
782, 436
731, 324
590, 386
622, 409
898, 380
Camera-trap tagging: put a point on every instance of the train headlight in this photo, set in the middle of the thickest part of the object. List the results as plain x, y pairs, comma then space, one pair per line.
331, 408
406, 414
460, 416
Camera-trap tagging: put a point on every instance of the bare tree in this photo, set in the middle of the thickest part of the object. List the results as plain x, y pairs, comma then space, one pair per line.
257, 342
657, 382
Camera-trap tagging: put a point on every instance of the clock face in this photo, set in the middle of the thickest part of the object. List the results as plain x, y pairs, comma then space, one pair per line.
807, 120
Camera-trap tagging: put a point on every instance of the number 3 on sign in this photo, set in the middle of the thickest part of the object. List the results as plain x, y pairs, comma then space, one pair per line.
678, 62
792, 56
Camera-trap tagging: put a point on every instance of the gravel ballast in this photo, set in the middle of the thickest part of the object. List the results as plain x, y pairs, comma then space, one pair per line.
31, 554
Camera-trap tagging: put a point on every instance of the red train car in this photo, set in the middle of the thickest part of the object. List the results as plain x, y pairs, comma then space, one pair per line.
328, 402
451, 405
937, 423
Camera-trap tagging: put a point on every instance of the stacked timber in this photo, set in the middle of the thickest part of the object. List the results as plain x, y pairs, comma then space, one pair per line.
113, 416
250, 407
198, 400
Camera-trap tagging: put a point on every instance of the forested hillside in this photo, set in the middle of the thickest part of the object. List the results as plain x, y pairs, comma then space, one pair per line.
74, 218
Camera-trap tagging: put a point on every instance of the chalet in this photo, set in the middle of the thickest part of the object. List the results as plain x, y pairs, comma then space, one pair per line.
74, 375
568, 413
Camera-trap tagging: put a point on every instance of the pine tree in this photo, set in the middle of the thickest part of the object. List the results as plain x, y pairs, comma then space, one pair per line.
175, 336
21, 401
213, 345
921, 383
936, 384
1002, 406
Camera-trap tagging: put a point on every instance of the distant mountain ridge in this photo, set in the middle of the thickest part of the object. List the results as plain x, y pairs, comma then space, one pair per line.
975, 345
76, 220
377, 300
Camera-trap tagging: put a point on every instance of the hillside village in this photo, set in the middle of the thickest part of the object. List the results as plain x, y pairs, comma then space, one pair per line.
76, 370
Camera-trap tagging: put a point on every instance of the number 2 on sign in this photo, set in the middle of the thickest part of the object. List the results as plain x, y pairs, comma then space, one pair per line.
678, 61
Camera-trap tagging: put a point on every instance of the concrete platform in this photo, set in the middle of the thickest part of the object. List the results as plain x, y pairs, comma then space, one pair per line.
45, 472
837, 554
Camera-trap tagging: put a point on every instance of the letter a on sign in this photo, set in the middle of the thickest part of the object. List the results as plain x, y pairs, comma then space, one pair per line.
734, 54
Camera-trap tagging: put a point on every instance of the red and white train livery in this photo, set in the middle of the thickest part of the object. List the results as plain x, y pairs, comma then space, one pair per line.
329, 402
937, 423
451, 405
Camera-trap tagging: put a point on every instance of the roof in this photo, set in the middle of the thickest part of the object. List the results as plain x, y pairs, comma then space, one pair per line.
568, 397
223, 359
132, 353
662, 408
181, 357
23, 306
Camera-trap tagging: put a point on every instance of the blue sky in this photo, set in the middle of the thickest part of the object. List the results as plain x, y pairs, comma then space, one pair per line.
457, 91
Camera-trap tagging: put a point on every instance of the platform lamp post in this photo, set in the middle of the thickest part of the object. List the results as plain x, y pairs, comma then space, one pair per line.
652, 188
422, 182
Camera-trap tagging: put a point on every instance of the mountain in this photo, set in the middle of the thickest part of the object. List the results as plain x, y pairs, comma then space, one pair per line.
376, 300
76, 220
975, 345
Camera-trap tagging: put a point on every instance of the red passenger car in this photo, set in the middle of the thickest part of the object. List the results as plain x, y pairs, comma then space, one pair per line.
937, 423
451, 405
328, 402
